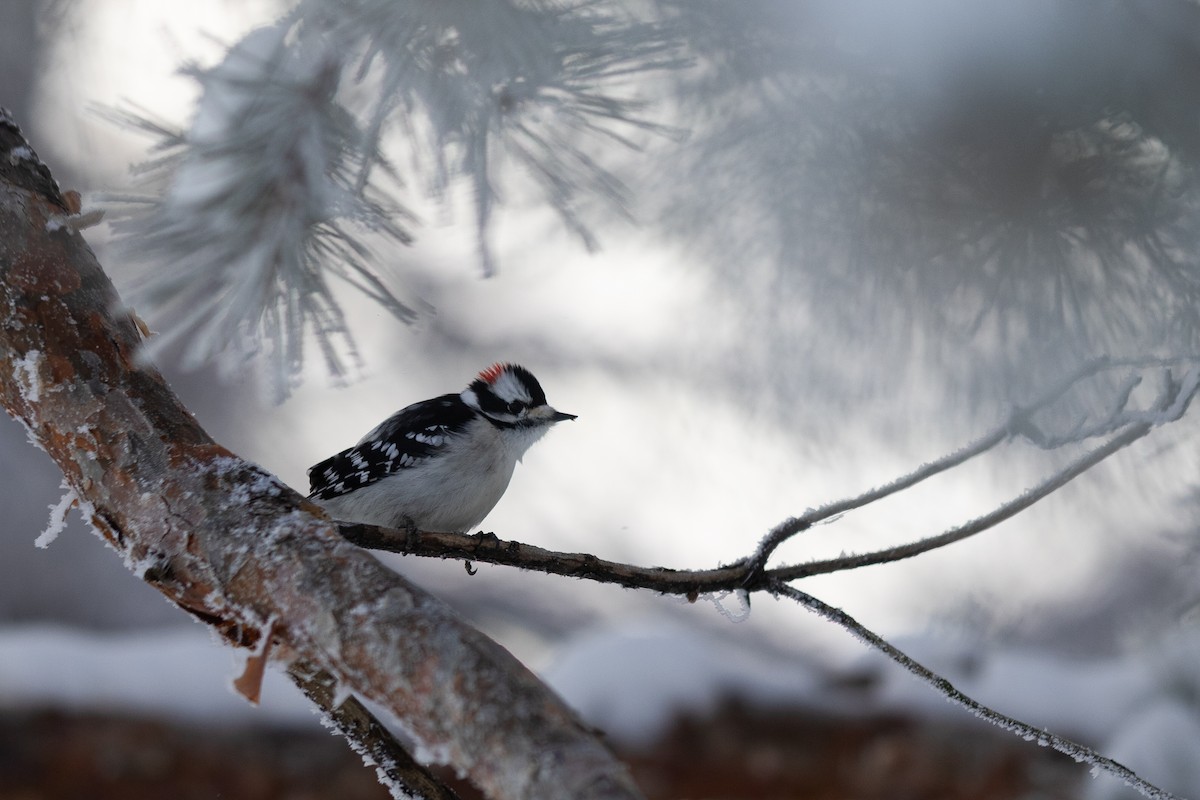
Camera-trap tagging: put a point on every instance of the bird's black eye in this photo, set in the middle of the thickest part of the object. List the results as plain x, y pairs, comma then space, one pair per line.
516, 407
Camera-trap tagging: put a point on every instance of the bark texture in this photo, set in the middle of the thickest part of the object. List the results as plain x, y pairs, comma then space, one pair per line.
230, 543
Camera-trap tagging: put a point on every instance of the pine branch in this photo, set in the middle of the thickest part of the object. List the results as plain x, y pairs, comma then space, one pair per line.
537, 83
251, 210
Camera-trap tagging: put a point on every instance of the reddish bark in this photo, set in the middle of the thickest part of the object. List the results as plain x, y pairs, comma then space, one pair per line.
233, 545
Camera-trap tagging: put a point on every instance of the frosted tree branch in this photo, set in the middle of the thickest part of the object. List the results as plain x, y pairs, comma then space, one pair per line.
234, 547
978, 525
239, 550
1171, 407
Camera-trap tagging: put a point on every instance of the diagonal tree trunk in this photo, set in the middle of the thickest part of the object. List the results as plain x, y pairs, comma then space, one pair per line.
231, 544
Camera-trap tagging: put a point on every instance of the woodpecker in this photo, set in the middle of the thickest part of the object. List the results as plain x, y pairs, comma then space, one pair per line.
441, 464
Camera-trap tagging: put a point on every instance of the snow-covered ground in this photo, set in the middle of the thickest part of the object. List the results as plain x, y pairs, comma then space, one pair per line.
1142, 709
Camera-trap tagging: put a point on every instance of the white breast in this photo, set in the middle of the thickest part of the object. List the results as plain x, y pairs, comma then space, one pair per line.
453, 491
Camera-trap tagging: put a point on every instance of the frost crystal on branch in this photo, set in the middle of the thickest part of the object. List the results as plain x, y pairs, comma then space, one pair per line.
256, 202
58, 517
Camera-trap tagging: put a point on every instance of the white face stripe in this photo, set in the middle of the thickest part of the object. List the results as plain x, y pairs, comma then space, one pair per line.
509, 387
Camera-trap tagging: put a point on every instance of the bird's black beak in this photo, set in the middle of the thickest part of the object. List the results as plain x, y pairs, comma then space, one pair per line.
559, 416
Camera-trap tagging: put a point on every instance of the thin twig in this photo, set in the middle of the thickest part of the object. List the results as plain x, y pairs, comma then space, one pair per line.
1075, 750
1019, 423
1170, 407
978, 525
489, 549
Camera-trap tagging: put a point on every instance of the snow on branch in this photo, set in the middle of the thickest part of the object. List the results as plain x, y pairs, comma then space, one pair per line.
240, 551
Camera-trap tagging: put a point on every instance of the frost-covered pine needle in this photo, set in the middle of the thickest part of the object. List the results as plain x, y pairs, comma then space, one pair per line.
251, 210
256, 206
533, 83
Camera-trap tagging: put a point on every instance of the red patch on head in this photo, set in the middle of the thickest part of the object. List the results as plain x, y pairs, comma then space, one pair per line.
490, 374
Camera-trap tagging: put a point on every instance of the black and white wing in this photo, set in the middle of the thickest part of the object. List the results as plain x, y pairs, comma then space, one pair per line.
402, 441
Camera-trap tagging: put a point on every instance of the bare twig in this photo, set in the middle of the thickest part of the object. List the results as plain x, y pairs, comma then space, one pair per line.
490, 549
1075, 750
978, 525
1171, 407
1019, 423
